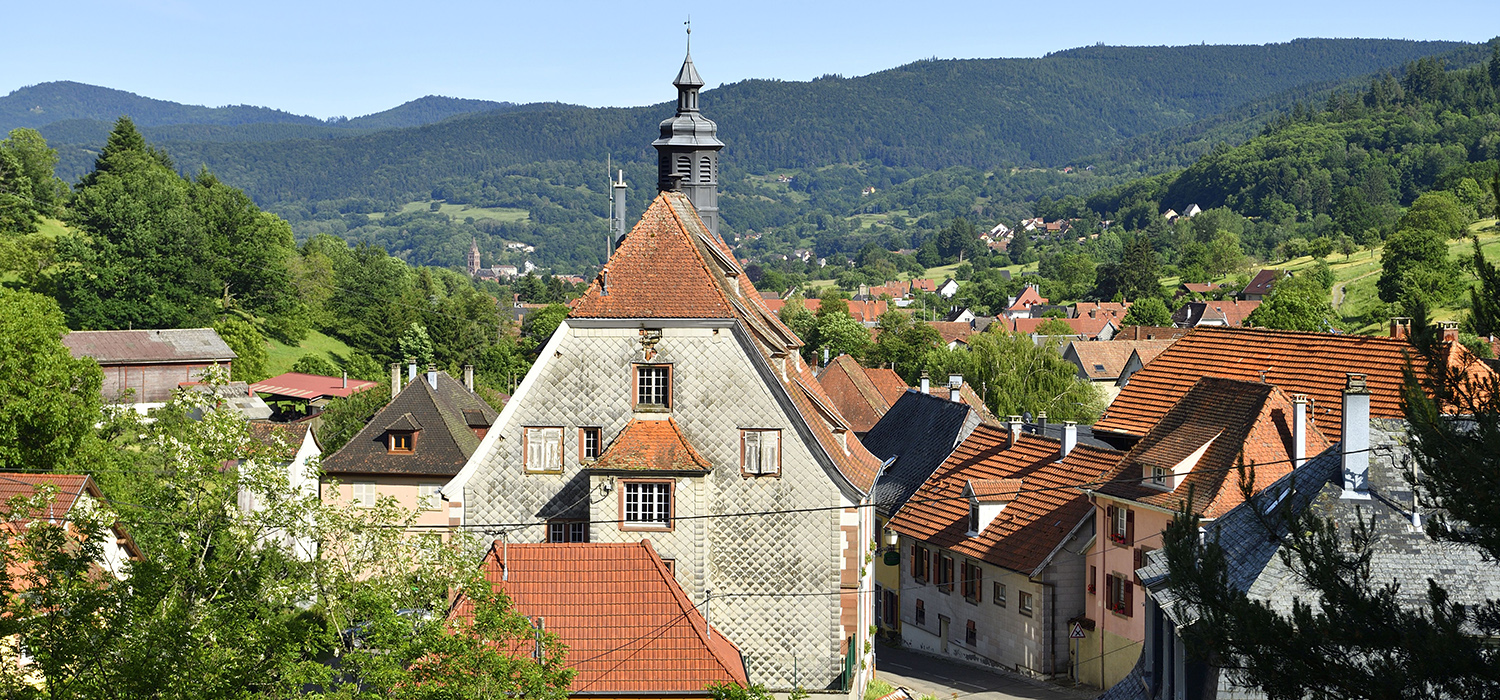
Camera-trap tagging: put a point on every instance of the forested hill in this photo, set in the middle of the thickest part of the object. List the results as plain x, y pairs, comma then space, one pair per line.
69, 112
929, 114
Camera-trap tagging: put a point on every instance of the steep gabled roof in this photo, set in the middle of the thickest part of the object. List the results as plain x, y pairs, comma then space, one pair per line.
1263, 282
1299, 363
70, 487
651, 445
657, 272
887, 382
444, 439
1229, 421
1230, 313
1032, 526
628, 625
850, 389
918, 432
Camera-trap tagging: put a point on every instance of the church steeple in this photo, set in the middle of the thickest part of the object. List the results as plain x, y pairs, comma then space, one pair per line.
688, 150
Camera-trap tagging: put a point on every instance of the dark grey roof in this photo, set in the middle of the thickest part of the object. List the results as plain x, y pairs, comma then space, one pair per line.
1402, 553
444, 439
920, 431
169, 345
688, 76
1055, 431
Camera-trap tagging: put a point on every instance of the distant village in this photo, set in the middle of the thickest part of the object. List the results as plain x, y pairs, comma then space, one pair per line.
674, 471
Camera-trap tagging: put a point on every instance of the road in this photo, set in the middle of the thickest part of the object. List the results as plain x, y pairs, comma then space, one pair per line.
929, 675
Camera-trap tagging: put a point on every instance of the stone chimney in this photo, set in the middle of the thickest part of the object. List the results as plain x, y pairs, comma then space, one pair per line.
1450, 331
1015, 429
1069, 438
1356, 444
395, 379
469, 378
1299, 429
432, 376
1400, 326
603, 281
924, 381
1041, 424
955, 382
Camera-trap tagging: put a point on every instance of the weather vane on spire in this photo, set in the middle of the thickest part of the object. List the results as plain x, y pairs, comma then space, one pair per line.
689, 24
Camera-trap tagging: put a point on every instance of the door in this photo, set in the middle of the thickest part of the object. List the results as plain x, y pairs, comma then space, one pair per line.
943, 632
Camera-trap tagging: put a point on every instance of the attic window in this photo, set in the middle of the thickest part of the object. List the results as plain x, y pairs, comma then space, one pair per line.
653, 386
1098, 368
400, 441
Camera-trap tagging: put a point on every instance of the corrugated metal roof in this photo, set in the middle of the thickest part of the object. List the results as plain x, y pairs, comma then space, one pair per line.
169, 345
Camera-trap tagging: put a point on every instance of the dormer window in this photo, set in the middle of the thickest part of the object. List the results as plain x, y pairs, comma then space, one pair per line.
1159, 476
400, 441
987, 499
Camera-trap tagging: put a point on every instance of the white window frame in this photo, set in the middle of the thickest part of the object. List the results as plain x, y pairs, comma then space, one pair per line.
365, 493
1159, 476
1121, 524
429, 496
567, 528
760, 451
1024, 603
653, 389
646, 505
543, 449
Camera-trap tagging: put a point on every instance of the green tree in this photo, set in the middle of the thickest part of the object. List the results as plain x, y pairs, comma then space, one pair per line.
38, 163
252, 358
1483, 318
315, 364
343, 418
1297, 304
17, 208
416, 345
1439, 212
795, 315
1138, 275
542, 323
1019, 248
1016, 375
1414, 263
50, 399
1151, 311
841, 334
902, 343
1054, 326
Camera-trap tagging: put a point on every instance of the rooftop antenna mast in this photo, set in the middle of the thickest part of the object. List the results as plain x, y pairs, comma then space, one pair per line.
689, 24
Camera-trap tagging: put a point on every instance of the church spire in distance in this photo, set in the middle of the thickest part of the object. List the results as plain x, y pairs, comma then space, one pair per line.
688, 149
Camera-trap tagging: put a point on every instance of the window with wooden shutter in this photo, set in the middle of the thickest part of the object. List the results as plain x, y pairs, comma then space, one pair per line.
760, 452
1129, 527
1129, 607
921, 614
543, 449
971, 634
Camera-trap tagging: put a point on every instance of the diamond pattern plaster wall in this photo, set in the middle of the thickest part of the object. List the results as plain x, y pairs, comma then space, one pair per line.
775, 578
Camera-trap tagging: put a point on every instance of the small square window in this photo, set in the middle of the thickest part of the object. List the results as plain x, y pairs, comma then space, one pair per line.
1098, 368
999, 594
429, 496
566, 531
543, 450
671, 565
653, 386
588, 444
1159, 476
1023, 603
365, 493
400, 442
760, 452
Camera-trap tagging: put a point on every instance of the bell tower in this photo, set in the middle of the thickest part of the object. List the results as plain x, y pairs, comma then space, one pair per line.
688, 151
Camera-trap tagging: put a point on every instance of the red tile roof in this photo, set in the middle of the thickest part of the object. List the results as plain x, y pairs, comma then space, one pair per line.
967, 396
1229, 313
1298, 363
851, 390
890, 384
1027, 532
1106, 359
1149, 333
628, 625
953, 330
70, 487
862, 311
652, 445
1101, 309
1239, 421
1263, 282
657, 272
310, 386
1086, 327
1028, 296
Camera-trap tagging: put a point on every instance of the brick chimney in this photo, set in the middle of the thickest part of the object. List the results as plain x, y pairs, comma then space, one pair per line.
1356, 444
1450, 331
1400, 326
1299, 429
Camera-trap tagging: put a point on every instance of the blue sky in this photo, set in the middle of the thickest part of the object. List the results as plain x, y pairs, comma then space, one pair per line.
327, 58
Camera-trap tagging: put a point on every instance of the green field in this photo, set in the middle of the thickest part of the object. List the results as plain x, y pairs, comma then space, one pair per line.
282, 357
463, 211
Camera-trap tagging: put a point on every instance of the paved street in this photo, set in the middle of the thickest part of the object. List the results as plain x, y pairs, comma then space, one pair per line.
928, 675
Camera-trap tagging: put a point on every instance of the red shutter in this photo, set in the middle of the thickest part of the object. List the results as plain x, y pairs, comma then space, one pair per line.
1129, 598
1129, 527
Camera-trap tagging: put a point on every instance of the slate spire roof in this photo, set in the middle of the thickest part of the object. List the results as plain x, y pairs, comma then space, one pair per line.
442, 420
688, 76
